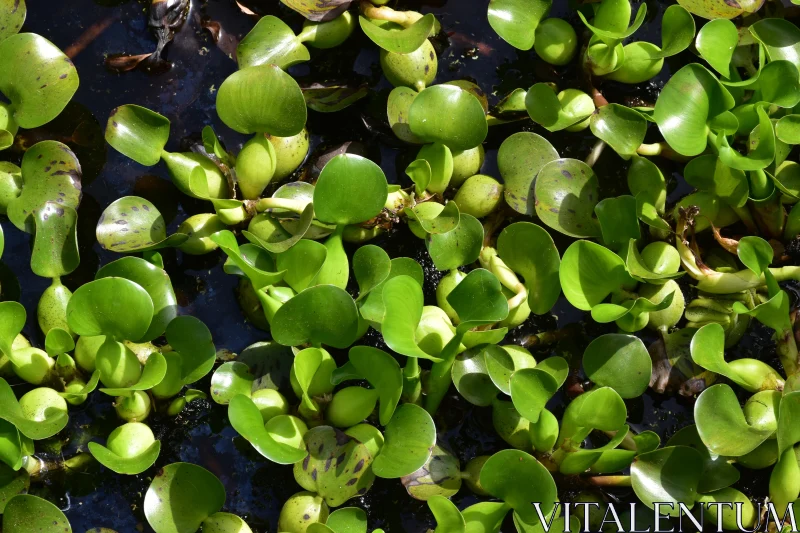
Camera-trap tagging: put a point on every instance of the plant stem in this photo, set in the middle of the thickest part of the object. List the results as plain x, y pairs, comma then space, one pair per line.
787, 351
38, 467
404, 18
610, 481
412, 385
662, 149
549, 337
296, 206
595, 154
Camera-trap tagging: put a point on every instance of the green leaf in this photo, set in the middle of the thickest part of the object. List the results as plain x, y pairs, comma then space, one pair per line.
758, 157
619, 222
191, 338
247, 264
131, 450
347, 520
115, 307
690, 99
181, 497
410, 437
518, 479
303, 225
12, 17
645, 179
246, 419
620, 362
515, 21
13, 448
717, 471
156, 282
721, 423
479, 372
567, 191
324, 314
787, 129
55, 246
271, 41
557, 112
138, 133
25, 513
669, 475
383, 372
519, 159
457, 247
397, 107
241, 97
716, 41
350, 189
399, 41
313, 11
450, 115
152, 374
780, 37
478, 300
301, 263
639, 269
589, 273
133, 224
708, 173
677, 31
36, 77
372, 307
50, 416
403, 298
755, 253
531, 389
448, 517
440, 160
50, 173
718, 9
446, 220
528, 250
622, 128
231, 379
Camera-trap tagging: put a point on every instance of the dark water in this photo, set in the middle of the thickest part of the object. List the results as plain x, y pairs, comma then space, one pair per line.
256, 488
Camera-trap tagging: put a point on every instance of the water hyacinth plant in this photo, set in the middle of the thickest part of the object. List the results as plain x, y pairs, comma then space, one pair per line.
368, 276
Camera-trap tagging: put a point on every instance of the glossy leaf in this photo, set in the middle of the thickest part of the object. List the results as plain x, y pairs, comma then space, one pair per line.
529, 250
399, 41
531, 389
410, 437
716, 42
301, 263
589, 273
620, 362
115, 307
53, 418
690, 99
55, 247
518, 479
156, 282
131, 456
181, 497
457, 247
780, 37
547, 109
618, 220
230, 379
722, 425
247, 260
36, 77
448, 517
25, 513
709, 173
403, 298
320, 315
669, 475
138, 133
478, 300
383, 372
758, 157
567, 191
152, 374
515, 21
12, 17
717, 471
133, 224
241, 97
519, 159
450, 115
271, 41
350, 189
677, 31
622, 128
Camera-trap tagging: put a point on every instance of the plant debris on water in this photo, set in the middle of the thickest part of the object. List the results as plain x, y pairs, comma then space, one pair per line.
385, 265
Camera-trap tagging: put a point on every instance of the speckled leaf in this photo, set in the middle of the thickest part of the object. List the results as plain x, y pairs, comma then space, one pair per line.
567, 191
12, 17
138, 133
133, 224
37, 77
519, 159
55, 247
26, 513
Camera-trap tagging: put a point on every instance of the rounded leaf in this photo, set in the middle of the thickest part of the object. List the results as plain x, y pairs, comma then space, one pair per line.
410, 437
350, 189
519, 479
620, 362
567, 191
519, 159
399, 41
115, 307
26, 513
138, 133
450, 115
324, 314
668, 475
181, 497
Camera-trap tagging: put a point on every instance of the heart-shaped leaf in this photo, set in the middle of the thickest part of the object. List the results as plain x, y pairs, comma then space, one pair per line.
448, 517
133, 224
399, 41
688, 102
383, 372
138, 133
618, 220
622, 128
50, 173
515, 21
557, 112
620, 362
589, 273
519, 159
36, 77
721, 423
24, 513
232, 378
371, 266
248, 260
502, 476
531, 389
717, 471
350, 189
131, 450
241, 97
450, 115
669, 475
458, 247
156, 282
271, 41
567, 191
780, 37
114, 307
403, 301
181, 497
324, 314
410, 437
301, 263
529, 250
716, 42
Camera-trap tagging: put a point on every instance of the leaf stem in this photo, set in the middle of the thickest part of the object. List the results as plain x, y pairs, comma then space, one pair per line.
610, 481
594, 155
